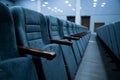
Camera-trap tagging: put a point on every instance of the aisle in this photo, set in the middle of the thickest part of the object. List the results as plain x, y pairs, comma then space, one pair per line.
92, 66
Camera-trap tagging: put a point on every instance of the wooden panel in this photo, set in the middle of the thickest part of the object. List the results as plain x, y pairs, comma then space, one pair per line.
98, 24
71, 18
85, 21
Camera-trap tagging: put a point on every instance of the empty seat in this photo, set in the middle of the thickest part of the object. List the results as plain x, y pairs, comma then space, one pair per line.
75, 40
32, 32
117, 32
82, 40
12, 66
55, 30
111, 37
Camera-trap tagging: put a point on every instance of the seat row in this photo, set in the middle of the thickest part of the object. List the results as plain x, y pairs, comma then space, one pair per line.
39, 47
109, 34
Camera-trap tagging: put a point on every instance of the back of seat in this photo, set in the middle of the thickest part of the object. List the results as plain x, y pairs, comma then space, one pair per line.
76, 43
27, 25
114, 44
7, 37
55, 29
70, 27
117, 33
32, 31
12, 66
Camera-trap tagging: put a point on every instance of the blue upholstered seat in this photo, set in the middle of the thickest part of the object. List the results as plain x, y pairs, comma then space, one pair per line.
32, 31
83, 41
76, 42
111, 37
12, 66
117, 33
55, 29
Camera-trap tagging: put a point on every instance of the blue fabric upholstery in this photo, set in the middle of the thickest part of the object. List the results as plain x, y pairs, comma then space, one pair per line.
12, 67
7, 37
82, 40
117, 34
32, 31
76, 44
18, 69
56, 33
111, 37
80, 43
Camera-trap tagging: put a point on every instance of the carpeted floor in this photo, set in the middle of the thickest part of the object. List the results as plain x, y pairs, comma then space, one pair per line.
92, 65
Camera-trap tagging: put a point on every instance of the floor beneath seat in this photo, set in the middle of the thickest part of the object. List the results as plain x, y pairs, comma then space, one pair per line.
92, 65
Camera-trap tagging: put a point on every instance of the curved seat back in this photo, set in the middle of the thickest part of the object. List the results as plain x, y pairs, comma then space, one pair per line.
32, 31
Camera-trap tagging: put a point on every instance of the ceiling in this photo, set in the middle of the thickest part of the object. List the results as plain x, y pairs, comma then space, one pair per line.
88, 7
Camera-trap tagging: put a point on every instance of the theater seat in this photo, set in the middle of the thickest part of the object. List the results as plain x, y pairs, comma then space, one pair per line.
75, 40
55, 30
82, 39
111, 38
12, 66
32, 31
117, 32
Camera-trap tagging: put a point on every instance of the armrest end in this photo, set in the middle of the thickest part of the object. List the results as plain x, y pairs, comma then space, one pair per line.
62, 42
71, 37
37, 52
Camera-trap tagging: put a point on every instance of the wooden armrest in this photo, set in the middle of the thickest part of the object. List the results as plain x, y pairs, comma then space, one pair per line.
71, 37
76, 35
62, 42
37, 52
80, 34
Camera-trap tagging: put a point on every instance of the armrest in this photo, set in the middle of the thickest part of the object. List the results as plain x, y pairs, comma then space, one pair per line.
62, 42
79, 36
37, 52
71, 37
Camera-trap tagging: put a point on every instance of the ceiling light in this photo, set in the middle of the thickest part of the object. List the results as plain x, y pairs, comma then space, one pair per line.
52, 9
103, 3
49, 7
32, 0
58, 9
44, 5
45, 2
55, 11
66, 2
73, 9
95, 0
55, 7
69, 5
80, 7
94, 3
61, 11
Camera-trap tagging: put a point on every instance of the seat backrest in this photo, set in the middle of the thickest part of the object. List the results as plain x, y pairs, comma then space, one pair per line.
113, 39
70, 27
117, 33
8, 47
75, 28
28, 27
65, 28
56, 31
12, 66
32, 31
54, 27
